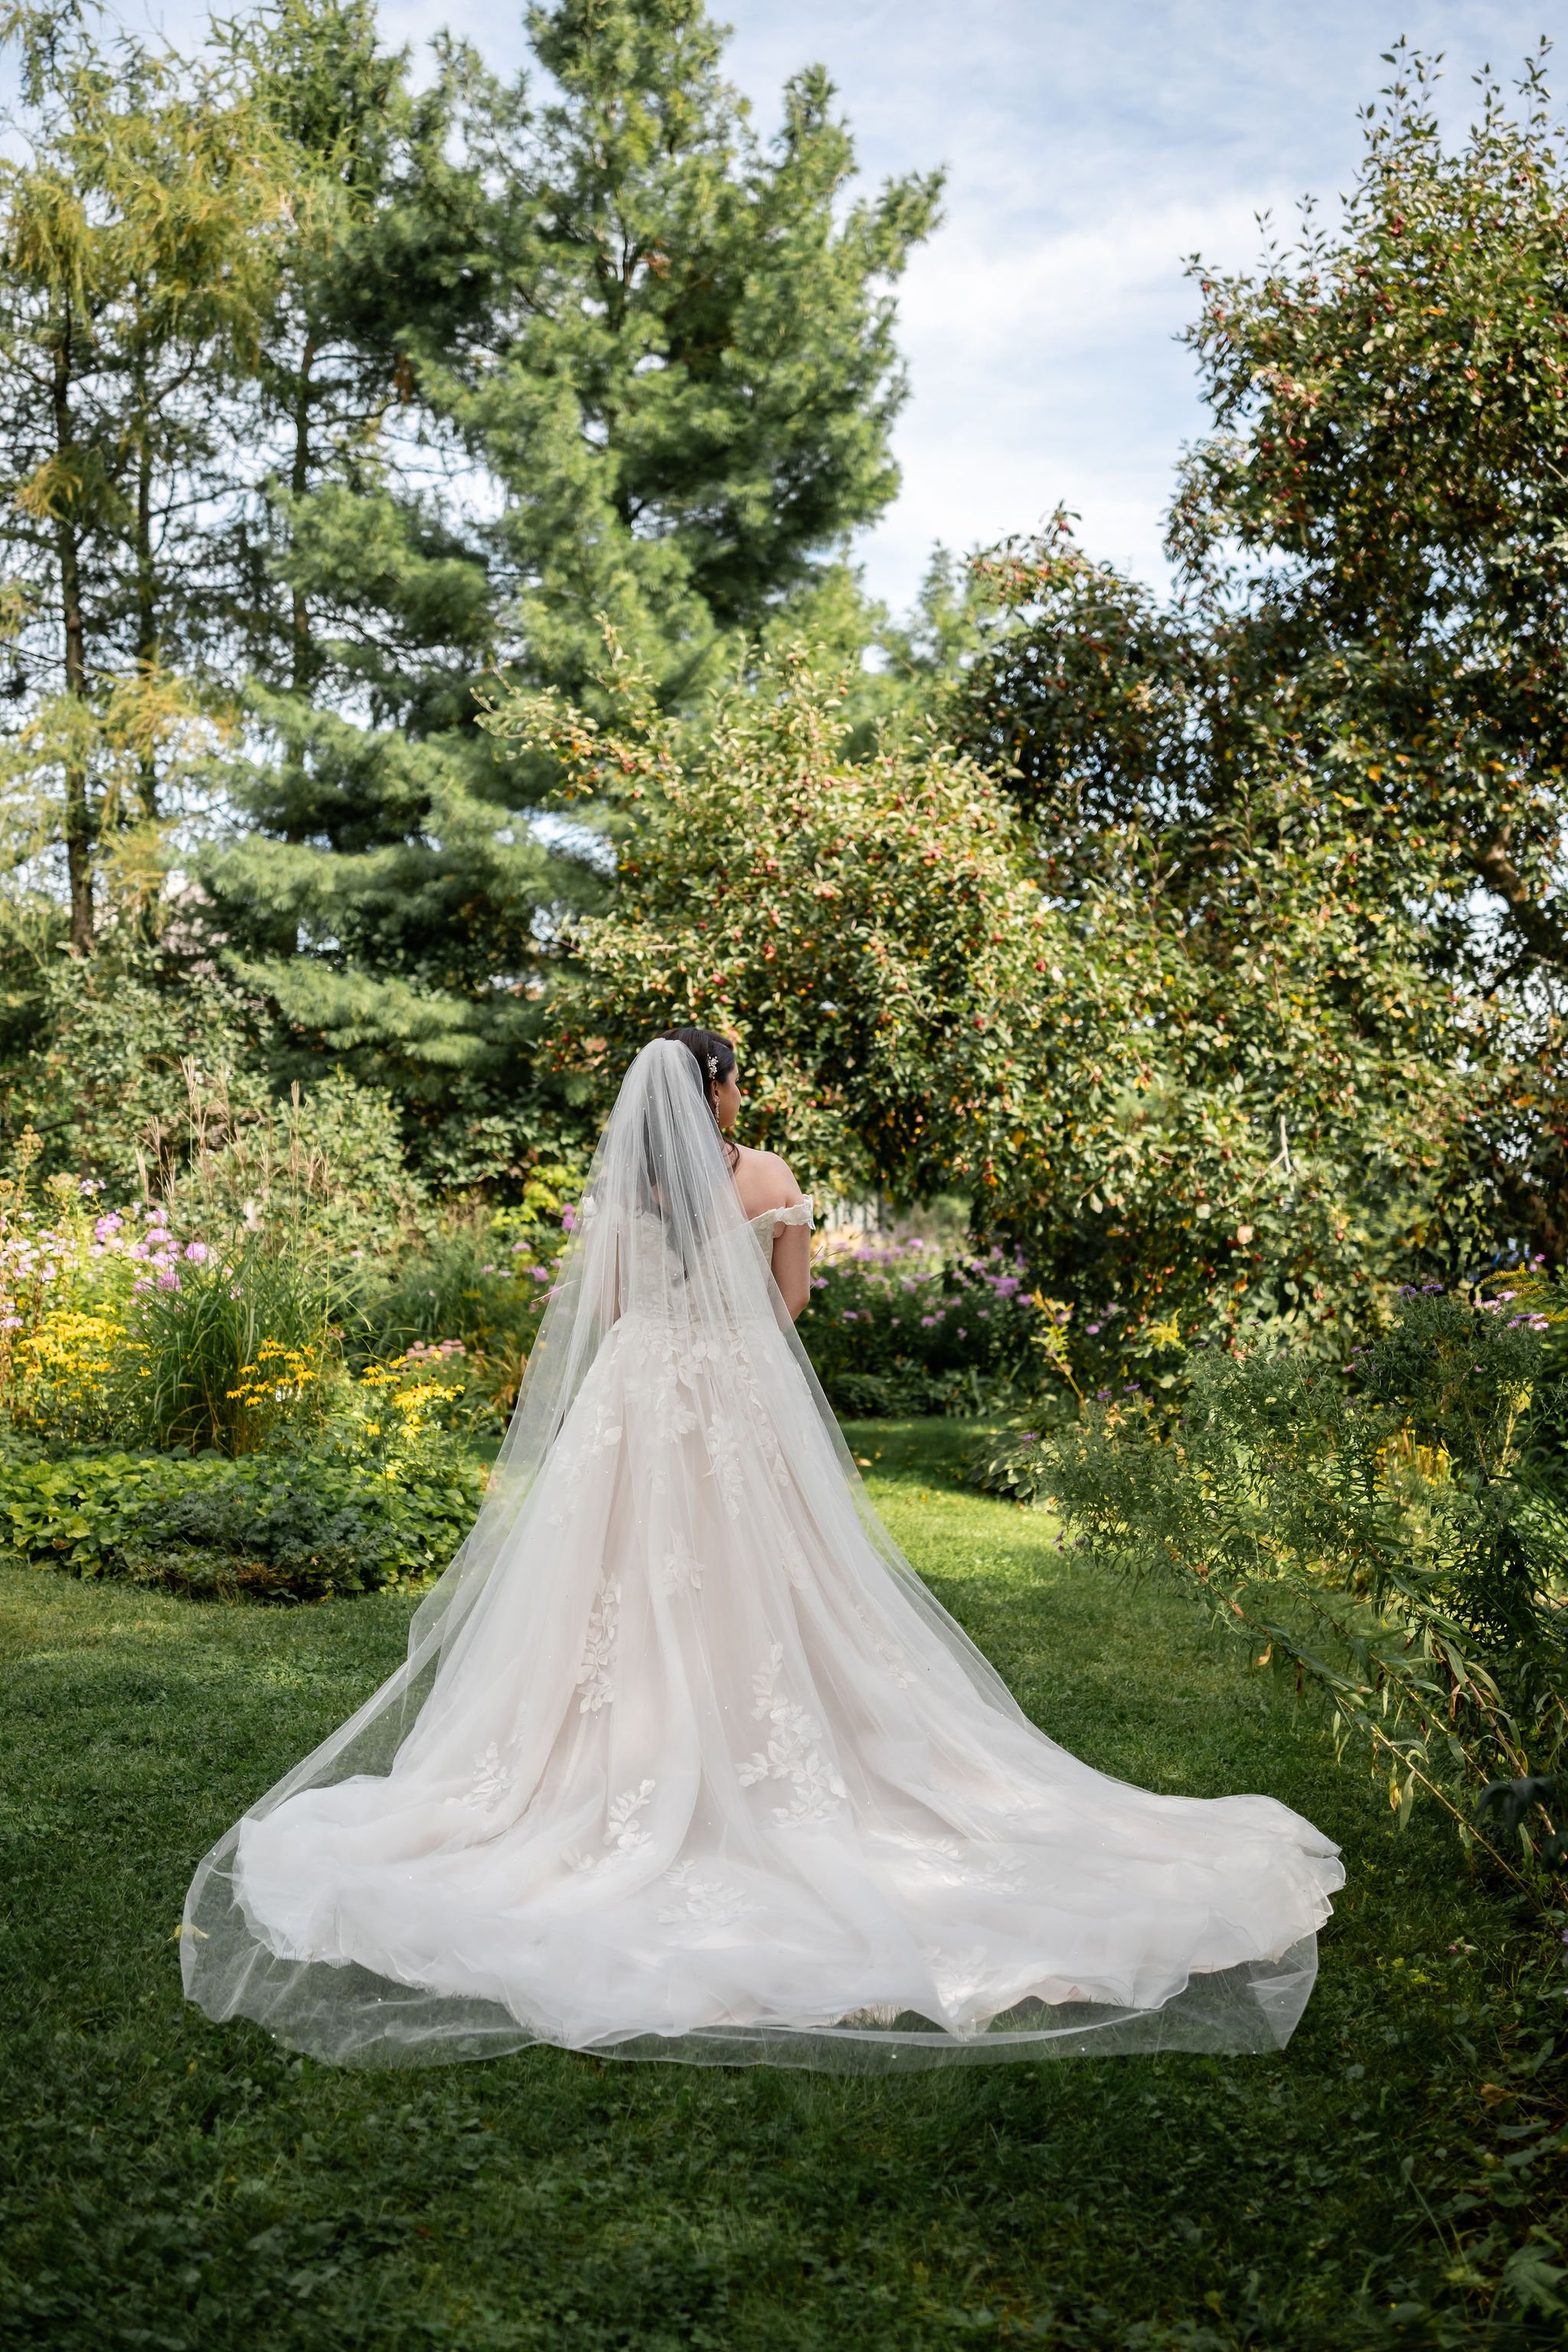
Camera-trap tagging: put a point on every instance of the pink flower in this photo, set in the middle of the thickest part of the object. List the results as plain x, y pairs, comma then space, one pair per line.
568, 1219
196, 1251
168, 1279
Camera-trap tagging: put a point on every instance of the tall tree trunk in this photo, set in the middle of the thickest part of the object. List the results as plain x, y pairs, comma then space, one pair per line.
299, 483
146, 586
78, 826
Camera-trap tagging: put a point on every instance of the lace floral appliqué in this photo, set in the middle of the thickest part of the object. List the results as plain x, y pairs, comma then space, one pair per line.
492, 1778
596, 1676
793, 1755
712, 1901
680, 1571
624, 1833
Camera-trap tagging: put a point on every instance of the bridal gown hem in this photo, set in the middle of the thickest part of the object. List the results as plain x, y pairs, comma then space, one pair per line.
705, 1772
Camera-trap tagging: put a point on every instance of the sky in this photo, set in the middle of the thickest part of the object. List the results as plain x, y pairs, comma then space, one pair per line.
1091, 147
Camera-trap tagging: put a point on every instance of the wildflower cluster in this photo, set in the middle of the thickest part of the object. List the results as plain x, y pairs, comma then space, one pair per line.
895, 1327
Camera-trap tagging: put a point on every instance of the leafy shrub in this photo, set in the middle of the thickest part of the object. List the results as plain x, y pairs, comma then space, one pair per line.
1014, 1462
1397, 1538
478, 1280
280, 1528
894, 1329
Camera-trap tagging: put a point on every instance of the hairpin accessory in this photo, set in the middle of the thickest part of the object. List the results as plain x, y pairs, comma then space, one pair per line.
713, 1066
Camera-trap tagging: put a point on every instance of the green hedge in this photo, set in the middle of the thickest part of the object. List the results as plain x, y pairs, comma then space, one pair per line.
281, 1527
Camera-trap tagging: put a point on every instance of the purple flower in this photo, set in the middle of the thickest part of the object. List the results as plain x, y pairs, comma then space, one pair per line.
541, 1274
961, 1332
196, 1251
927, 1321
1027, 1438
1091, 1327
568, 1219
168, 1279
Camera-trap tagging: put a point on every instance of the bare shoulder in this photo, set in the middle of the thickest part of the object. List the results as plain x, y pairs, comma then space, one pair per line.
763, 1181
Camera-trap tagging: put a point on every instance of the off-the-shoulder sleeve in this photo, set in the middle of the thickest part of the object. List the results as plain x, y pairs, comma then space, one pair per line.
800, 1213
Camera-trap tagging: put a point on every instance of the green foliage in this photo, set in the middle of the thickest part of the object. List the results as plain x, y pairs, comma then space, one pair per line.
1187, 1120
293, 1528
139, 232
859, 928
476, 1282
321, 1172
385, 902
1398, 1542
1390, 398
101, 1052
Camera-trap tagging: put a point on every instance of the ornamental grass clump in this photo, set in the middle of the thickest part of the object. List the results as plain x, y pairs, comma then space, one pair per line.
240, 1352
1394, 1533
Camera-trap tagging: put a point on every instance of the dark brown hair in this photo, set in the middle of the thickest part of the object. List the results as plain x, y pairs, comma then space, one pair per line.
713, 1058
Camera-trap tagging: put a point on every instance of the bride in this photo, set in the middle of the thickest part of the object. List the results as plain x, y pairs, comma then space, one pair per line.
686, 1762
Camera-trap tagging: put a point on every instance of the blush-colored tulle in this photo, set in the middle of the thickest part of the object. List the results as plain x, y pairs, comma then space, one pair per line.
686, 1762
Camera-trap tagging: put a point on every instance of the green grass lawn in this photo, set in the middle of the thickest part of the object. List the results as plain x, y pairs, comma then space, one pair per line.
169, 2184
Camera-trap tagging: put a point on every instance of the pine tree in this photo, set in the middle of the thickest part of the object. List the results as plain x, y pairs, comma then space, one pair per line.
689, 401
676, 370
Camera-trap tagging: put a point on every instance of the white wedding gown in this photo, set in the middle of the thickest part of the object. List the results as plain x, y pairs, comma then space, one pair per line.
694, 1765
